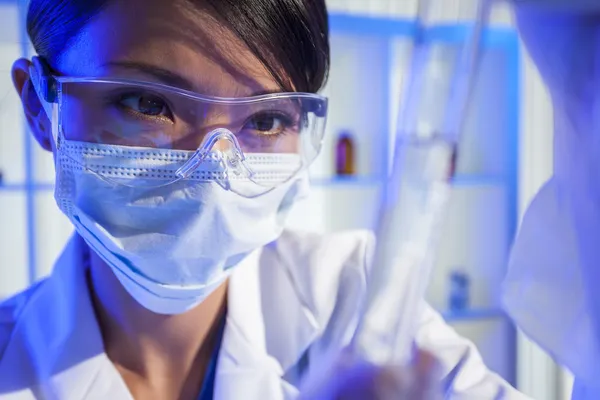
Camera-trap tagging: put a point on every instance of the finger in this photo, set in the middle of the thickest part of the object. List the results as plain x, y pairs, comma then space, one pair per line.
427, 383
421, 380
394, 382
425, 363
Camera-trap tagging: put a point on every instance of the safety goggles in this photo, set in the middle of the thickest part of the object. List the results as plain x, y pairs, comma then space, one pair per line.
175, 134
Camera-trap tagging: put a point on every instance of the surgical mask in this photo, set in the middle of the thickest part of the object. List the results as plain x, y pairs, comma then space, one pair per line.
169, 246
172, 222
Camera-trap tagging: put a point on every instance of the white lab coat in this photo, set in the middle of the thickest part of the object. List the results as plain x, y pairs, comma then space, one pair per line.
545, 290
289, 304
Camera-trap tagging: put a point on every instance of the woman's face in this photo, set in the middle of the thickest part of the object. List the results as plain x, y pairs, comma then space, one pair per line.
175, 44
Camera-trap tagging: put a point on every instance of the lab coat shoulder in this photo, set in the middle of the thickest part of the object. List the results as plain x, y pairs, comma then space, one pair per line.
10, 311
331, 273
329, 270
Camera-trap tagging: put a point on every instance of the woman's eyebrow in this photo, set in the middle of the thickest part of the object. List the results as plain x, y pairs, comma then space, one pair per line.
163, 75
173, 79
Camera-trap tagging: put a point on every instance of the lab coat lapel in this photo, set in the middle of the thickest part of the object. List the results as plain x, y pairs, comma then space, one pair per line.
57, 341
268, 329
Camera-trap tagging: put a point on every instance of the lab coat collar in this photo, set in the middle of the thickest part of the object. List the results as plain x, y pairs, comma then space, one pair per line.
56, 349
57, 340
268, 330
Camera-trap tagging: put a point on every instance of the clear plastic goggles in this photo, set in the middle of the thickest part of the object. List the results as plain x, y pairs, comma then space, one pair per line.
178, 134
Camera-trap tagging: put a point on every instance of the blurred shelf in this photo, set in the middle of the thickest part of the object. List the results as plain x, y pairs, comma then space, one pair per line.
475, 314
458, 33
461, 180
467, 180
357, 24
21, 187
346, 181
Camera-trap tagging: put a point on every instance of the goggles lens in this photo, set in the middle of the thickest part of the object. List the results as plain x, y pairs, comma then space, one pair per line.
138, 117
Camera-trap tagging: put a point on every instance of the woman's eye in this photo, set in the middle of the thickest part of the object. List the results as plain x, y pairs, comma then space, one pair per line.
267, 124
146, 104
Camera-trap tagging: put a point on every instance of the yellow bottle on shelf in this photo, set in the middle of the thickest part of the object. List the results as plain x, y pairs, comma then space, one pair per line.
345, 155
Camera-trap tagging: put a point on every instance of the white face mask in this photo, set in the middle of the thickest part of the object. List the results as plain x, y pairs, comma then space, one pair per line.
169, 246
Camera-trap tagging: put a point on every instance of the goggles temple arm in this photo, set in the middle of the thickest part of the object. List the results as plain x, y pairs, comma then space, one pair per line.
42, 78
44, 84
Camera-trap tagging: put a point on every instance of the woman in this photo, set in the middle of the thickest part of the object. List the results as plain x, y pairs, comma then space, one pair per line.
181, 133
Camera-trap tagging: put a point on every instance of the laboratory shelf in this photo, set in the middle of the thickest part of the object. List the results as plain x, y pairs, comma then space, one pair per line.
343, 23
466, 180
462, 180
346, 181
12, 187
458, 33
22, 187
370, 25
474, 314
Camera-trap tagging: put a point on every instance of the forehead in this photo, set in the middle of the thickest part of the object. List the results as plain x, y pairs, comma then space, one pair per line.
182, 41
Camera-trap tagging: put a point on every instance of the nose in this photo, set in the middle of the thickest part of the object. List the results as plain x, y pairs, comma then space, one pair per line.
228, 149
222, 140
202, 123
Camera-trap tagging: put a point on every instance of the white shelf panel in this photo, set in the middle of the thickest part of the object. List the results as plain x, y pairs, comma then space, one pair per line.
12, 125
475, 239
357, 91
14, 271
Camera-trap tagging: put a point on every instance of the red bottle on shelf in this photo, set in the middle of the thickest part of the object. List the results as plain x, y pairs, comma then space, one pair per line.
345, 155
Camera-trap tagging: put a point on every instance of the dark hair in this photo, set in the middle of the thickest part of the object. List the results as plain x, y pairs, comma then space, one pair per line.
290, 37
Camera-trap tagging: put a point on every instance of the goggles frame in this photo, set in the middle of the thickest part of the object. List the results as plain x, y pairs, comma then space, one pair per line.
49, 86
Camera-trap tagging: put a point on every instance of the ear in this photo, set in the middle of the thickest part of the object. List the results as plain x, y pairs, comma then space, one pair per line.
34, 111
